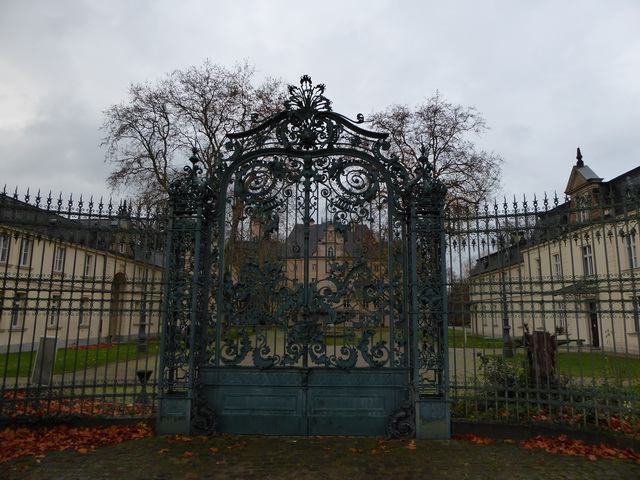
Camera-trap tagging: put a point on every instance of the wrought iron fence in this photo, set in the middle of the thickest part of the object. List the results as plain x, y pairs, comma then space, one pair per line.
80, 301
544, 310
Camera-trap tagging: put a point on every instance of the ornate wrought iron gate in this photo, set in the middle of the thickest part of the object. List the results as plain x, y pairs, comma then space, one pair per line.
305, 289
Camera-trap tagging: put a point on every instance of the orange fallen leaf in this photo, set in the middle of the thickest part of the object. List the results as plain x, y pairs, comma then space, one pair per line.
163, 450
15, 442
474, 439
187, 454
214, 449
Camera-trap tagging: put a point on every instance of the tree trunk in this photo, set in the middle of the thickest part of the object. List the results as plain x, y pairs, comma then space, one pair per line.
541, 357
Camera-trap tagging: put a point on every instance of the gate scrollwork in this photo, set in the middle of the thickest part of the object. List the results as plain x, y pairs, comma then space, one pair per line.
308, 246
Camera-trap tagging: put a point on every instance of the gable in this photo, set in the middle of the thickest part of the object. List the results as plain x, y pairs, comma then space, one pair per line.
581, 175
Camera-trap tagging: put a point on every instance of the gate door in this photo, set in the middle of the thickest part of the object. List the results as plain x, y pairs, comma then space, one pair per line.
290, 282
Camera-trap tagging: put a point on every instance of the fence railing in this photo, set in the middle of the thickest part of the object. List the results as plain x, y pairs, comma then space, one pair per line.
544, 310
80, 298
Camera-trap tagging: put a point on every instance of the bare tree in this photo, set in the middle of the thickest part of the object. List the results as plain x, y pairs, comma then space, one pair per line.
149, 137
441, 131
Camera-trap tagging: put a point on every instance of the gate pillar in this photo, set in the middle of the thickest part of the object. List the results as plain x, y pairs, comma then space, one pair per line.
181, 404
428, 304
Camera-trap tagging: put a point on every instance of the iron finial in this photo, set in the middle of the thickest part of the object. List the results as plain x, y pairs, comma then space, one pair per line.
580, 163
194, 158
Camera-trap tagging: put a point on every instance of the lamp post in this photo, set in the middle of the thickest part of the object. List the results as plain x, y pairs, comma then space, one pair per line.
507, 349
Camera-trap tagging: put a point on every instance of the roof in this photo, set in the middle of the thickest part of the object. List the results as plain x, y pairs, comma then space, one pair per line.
352, 237
613, 197
498, 260
578, 289
95, 233
580, 175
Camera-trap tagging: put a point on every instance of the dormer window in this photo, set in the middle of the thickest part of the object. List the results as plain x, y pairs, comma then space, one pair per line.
583, 212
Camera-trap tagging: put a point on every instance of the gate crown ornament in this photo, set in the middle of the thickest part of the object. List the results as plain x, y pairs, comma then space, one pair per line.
308, 123
306, 97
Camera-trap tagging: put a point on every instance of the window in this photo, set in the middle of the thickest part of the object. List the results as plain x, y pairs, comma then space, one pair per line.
53, 315
19, 310
83, 314
538, 268
88, 260
631, 251
330, 252
636, 314
4, 248
560, 310
58, 263
584, 212
557, 265
25, 251
587, 260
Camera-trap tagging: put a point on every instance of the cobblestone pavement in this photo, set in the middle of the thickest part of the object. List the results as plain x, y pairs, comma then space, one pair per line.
351, 458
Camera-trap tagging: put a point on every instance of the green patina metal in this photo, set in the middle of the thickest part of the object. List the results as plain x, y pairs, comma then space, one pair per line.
305, 285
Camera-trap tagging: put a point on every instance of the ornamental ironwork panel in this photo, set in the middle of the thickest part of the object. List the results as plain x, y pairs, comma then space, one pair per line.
307, 246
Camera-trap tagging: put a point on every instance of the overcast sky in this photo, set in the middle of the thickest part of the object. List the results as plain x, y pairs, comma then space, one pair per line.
548, 75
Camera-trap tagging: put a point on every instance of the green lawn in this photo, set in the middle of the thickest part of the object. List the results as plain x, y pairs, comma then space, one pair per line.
599, 365
457, 340
337, 336
69, 359
590, 364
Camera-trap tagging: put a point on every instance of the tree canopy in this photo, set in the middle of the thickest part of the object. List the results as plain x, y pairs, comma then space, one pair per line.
149, 137
441, 132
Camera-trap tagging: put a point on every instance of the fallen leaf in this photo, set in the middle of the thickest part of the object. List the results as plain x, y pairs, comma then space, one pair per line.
15, 442
474, 439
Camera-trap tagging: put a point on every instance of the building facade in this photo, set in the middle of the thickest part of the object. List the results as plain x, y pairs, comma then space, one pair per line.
79, 276
568, 268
